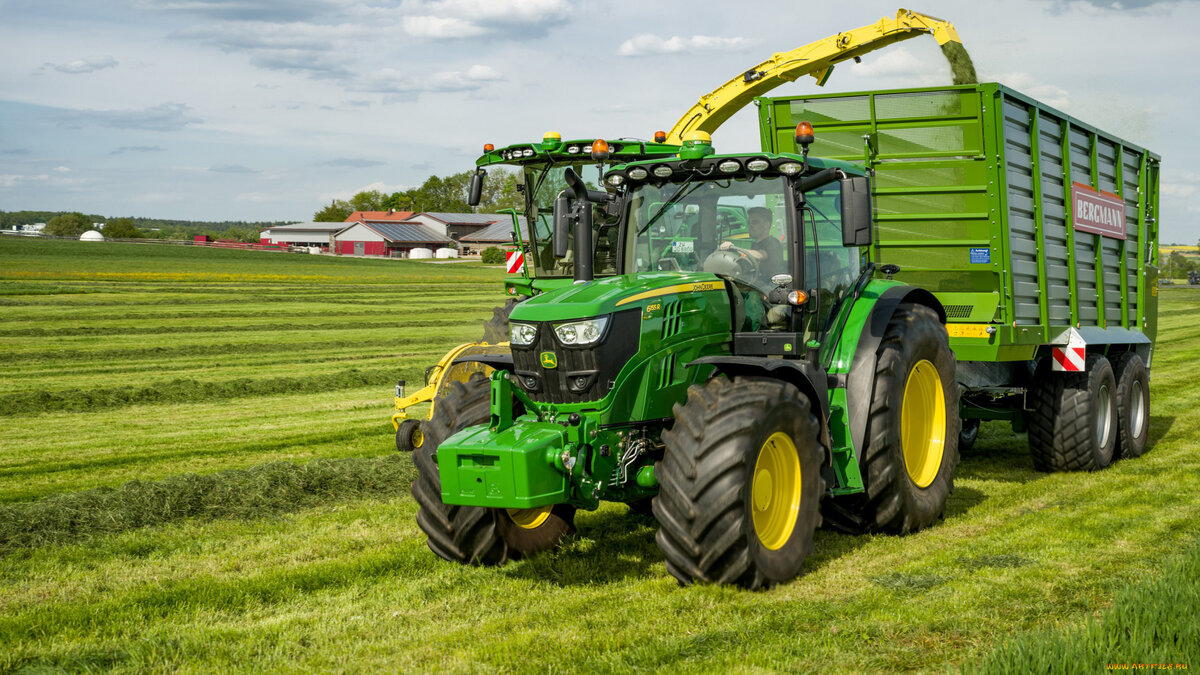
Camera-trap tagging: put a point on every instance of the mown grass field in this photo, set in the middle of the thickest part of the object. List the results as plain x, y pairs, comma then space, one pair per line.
269, 525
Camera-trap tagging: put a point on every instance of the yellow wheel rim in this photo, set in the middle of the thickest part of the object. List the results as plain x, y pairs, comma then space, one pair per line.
775, 491
418, 437
530, 519
923, 423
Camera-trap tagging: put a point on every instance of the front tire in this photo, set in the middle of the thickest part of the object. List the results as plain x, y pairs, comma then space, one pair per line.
476, 535
912, 431
740, 484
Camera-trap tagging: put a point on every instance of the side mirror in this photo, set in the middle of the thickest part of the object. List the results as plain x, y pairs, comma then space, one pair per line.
562, 223
476, 187
856, 211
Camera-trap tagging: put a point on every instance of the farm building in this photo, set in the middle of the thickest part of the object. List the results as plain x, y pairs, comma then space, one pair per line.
458, 225
302, 234
370, 217
499, 233
388, 239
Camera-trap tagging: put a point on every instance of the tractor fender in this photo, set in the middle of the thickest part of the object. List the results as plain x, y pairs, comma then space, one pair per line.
810, 379
495, 361
860, 382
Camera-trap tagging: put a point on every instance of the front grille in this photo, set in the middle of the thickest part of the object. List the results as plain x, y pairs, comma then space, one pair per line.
583, 374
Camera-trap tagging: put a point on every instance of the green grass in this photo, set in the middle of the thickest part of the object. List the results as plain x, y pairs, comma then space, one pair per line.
1027, 570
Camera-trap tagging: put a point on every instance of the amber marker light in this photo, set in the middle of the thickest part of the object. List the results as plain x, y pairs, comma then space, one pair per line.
797, 298
600, 149
488, 147
660, 137
804, 133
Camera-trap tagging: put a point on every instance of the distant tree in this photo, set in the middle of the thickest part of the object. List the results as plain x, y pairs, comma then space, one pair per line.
500, 191
337, 211
368, 200
241, 234
68, 225
492, 256
122, 228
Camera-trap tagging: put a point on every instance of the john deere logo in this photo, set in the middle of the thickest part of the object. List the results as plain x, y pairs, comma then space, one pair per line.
549, 360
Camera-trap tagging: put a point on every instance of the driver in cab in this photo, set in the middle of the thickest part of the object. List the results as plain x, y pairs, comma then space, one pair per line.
765, 249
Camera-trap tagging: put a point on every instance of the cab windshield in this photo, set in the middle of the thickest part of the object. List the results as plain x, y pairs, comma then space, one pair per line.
542, 184
735, 227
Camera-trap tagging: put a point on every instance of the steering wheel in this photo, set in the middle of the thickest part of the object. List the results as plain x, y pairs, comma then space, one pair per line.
732, 262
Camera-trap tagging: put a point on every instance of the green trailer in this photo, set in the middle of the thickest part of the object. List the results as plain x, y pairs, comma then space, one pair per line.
784, 339
974, 187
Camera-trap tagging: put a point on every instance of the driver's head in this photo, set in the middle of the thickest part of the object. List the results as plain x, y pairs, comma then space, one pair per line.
759, 222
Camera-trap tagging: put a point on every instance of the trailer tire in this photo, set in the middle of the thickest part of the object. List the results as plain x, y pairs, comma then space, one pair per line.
495, 329
739, 484
1072, 426
1133, 405
914, 399
409, 436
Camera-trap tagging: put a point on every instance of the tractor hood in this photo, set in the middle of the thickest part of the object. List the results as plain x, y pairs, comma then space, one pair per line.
611, 294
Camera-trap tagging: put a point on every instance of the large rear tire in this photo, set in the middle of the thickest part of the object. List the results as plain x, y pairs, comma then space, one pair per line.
473, 534
740, 484
912, 432
1073, 424
495, 329
1133, 405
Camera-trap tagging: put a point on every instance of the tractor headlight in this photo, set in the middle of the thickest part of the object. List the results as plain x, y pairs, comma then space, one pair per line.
522, 334
581, 332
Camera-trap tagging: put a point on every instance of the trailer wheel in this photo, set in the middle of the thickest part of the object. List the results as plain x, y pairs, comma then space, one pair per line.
495, 329
1133, 405
912, 431
409, 436
1073, 424
740, 484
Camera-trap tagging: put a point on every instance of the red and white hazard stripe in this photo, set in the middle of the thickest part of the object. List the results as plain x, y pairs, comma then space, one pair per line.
515, 260
1069, 359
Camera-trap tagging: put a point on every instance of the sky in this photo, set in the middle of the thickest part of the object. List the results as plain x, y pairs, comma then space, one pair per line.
264, 110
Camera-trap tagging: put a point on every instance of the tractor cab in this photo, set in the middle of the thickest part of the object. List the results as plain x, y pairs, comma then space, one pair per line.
783, 231
543, 166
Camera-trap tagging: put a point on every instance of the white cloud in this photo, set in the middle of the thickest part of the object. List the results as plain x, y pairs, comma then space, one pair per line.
392, 81
441, 27
1182, 184
894, 61
162, 117
80, 66
647, 43
444, 19
231, 168
1028, 84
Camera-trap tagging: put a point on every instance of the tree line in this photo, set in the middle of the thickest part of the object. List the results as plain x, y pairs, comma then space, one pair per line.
436, 195
75, 223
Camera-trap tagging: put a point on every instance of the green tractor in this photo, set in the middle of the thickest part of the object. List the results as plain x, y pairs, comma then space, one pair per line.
730, 362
